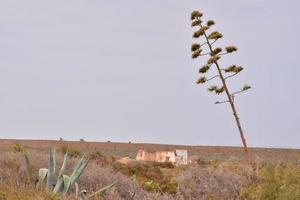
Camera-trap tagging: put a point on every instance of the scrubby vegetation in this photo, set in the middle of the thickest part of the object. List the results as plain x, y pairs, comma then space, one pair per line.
203, 179
154, 177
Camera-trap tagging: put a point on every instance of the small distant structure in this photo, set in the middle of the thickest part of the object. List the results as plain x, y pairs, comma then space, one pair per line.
179, 157
61, 139
82, 139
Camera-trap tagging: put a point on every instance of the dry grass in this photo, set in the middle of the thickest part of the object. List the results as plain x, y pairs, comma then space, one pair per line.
205, 179
131, 149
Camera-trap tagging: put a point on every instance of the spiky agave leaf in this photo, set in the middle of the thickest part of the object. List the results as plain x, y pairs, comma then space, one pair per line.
234, 68
67, 183
213, 59
204, 69
51, 169
79, 169
210, 23
64, 164
59, 184
43, 175
215, 35
195, 46
76, 189
196, 14
231, 49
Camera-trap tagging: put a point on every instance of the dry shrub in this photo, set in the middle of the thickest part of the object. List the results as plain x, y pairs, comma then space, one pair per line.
126, 187
153, 176
222, 182
214, 180
72, 151
101, 159
12, 192
14, 179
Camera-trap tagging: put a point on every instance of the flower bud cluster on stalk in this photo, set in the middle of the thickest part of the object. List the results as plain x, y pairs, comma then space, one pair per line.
206, 40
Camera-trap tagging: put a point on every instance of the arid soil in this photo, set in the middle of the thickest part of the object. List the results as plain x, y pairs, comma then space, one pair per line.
131, 149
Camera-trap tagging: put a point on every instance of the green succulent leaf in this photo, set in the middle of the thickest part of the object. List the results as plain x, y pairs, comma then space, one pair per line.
67, 183
79, 169
42, 177
51, 169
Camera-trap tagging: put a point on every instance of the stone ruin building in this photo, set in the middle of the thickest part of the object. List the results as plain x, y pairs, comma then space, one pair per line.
179, 157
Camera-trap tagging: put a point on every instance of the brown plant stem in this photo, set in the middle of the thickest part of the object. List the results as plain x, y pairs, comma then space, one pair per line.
230, 100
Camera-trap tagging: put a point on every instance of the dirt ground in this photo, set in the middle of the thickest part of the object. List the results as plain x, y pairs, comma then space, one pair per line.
131, 149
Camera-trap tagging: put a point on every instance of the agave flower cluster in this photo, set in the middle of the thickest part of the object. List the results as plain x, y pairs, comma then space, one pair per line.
209, 38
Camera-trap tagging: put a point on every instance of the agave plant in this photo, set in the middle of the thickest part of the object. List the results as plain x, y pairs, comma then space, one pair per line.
64, 182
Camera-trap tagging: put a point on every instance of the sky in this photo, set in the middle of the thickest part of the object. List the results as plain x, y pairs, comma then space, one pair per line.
122, 71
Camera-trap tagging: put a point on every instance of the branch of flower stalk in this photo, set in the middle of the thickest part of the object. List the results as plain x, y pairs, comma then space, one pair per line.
237, 92
204, 54
213, 42
220, 102
230, 76
212, 78
201, 45
222, 54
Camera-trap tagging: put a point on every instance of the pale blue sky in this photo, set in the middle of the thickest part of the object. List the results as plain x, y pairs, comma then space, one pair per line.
121, 71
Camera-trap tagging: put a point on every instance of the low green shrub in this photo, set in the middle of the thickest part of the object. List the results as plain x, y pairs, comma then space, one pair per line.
275, 182
170, 187
17, 147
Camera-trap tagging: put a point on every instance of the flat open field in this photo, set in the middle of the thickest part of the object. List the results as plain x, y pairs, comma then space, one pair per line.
131, 149
220, 173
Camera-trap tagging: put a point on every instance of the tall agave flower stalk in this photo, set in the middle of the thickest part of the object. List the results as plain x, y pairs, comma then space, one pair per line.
214, 55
